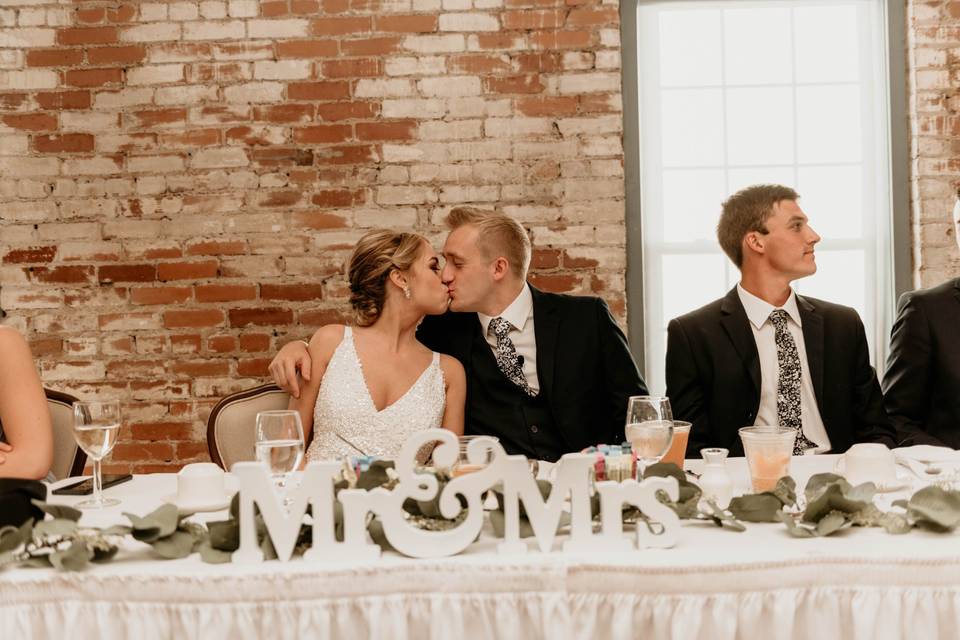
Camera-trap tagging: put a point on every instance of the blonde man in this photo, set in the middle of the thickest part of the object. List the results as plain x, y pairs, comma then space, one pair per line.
546, 373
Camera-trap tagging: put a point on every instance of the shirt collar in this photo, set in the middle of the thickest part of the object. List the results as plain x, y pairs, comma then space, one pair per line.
758, 310
516, 312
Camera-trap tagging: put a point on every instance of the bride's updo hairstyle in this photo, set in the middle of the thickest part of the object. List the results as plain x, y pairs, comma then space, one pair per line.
378, 253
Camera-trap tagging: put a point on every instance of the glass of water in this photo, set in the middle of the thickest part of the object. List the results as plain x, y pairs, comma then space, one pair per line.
649, 429
96, 426
280, 443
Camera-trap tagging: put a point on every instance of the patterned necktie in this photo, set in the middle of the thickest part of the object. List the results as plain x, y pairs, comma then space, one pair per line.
506, 355
788, 382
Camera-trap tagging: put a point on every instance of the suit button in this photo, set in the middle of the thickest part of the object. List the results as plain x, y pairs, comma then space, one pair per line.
534, 428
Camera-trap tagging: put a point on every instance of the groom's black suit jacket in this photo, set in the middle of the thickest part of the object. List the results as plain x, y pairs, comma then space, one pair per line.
921, 387
584, 367
713, 374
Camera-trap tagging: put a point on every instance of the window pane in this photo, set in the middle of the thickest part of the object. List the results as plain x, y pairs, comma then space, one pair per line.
760, 126
740, 178
690, 281
747, 31
690, 48
831, 198
828, 123
692, 127
828, 49
691, 203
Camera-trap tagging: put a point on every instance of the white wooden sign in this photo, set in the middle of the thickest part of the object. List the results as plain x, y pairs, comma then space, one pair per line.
572, 482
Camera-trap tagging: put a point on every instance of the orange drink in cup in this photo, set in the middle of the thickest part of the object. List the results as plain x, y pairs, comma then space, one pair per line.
768, 451
678, 446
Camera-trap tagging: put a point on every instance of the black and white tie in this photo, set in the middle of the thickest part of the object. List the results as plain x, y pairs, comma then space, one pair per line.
506, 355
788, 381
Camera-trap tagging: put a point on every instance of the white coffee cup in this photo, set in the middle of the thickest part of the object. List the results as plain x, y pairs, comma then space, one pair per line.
200, 483
869, 462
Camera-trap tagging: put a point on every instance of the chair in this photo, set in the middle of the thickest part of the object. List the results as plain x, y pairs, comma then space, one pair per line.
68, 458
230, 428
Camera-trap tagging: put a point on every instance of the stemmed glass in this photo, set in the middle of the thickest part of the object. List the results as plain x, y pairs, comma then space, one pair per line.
280, 444
96, 426
649, 429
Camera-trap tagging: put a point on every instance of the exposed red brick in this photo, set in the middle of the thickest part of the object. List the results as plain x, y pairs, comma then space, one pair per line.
13, 100
323, 48
159, 116
68, 142
545, 259
261, 316
319, 220
30, 254
274, 9
193, 138
162, 253
217, 248
187, 270
225, 292
346, 154
340, 26
159, 295
480, 63
602, 103
370, 46
122, 13
57, 100
200, 368
515, 84
547, 106
258, 367
192, 452
127, 273
189, 343
54, 57
562, 39
320, 317
533, 19
593, 16
318, 90
93, 77
406, 24
544, 62
399, 130
46, 346
335, 111
186, 318
86, 35
67, 275
222, 344
253, 342
284, 113
31, 121
142, 451
351, 68
279, 198
323, 133
572, 262
296, 292
130, 54
503, 40
152, 431
304, 7
335, 6
283, 156
91, 15
337, 197
555, 283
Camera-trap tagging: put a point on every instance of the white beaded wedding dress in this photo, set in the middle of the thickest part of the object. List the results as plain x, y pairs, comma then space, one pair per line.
346, 421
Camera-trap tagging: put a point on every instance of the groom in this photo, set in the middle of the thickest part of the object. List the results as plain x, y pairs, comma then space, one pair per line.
547, 374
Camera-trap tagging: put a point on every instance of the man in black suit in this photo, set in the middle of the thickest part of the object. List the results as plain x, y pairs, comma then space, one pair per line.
921, 388
764, 355
546, 373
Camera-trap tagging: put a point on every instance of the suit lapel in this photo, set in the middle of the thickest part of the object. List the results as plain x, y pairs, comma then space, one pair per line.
737, 325
546, 330
813, 343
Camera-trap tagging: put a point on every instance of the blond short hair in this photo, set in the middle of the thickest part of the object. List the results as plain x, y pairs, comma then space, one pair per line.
748, 210
377, 254
500, 235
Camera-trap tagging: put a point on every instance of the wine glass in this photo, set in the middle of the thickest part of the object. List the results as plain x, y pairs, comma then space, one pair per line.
649, 429
96, 426
280, 443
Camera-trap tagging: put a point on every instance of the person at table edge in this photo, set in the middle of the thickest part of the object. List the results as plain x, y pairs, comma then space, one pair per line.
921, 387
546, 373
763, 354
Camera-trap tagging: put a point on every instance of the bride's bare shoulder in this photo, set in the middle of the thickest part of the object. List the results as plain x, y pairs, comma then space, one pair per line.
326, 338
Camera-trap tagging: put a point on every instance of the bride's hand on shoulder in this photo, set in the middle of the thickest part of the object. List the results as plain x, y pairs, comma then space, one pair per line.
456, 393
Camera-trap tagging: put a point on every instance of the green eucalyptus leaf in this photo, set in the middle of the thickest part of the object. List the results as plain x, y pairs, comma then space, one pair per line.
7, 557
935, 508
54, 527
793, 528
235, 506
73, 558
831, 523
594, 505
820, 481
902, 503
10, 538
722, 518
101, 554
832, 498
58, 510
178, 544
117, 530
410, 506
376, 475
211, 555
224, 535
37, 562
26, 530
864, 492
377, 535
895, 523
758, 507
497, 523
665, 470
267, 548
786, 491
167, 516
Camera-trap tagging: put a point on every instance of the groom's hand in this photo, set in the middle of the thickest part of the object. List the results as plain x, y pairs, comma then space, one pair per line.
292, 357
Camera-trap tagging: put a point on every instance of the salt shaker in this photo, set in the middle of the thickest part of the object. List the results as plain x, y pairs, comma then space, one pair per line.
715, 481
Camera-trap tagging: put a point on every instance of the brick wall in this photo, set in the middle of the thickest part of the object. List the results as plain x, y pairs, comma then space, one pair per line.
181, 182
934, 48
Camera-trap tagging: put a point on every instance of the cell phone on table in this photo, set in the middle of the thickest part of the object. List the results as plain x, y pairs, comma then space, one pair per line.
85, 487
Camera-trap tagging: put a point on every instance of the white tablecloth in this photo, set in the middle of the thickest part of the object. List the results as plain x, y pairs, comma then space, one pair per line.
863, 583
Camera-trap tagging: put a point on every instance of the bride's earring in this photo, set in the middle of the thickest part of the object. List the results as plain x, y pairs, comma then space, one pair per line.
406, 292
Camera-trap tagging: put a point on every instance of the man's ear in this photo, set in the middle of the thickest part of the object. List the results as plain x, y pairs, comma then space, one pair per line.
500, 268
753, 241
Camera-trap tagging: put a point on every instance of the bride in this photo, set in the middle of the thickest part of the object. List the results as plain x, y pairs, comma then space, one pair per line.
374, 384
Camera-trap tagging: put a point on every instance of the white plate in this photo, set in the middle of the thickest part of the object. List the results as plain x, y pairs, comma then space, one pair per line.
928, 453
187, 508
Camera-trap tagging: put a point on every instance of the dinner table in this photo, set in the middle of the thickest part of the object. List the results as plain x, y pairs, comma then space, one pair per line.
716, 583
